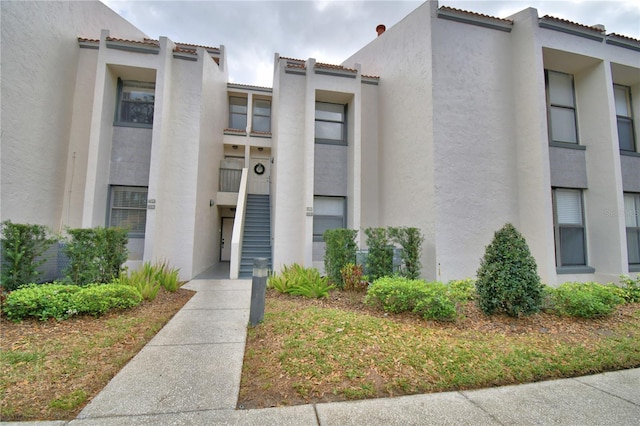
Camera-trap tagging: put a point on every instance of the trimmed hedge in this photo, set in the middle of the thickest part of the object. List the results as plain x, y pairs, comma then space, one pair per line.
61, 301
585, 300
431, 300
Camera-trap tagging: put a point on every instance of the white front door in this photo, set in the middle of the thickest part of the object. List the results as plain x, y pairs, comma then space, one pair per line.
259, 171
225, 239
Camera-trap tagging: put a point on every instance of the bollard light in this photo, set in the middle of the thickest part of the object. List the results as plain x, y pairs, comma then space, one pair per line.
258, 290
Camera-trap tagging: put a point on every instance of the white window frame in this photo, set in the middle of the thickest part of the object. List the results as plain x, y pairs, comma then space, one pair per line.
342, 122
567, 107
256, 113
142, 207
632, 222
559, 227
622, 117
318, 215
238, 112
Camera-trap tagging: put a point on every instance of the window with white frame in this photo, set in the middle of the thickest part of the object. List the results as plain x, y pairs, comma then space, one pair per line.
569, 227
261, 119
624, 116
128, 209
135, 103
561, 107
328, 213
632, 216
330, 124
237, 113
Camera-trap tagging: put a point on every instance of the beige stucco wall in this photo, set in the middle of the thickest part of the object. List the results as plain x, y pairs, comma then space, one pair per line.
40, 58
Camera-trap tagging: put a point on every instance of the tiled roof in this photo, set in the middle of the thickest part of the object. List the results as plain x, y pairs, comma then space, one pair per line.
291, 59
624, 37
574, 24
371, 76
480, 15
300, 66
242, 131
146, 41
185, 50
92, 40
197, 45
334, 67
248, 86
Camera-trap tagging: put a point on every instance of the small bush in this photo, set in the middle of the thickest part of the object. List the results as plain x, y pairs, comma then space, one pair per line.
508, 280
340, 250
462, 290
61, 301
585, 300
95, 255
631, 288
353, 278
410, 239
146, 280
98, 299
22, 246
397, 294
300, 281
380, 257
168, 277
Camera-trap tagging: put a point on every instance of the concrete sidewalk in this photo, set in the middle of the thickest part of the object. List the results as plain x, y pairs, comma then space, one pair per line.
189, 374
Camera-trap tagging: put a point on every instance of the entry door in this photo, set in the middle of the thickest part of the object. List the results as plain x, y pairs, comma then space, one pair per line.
225, 239
259, 176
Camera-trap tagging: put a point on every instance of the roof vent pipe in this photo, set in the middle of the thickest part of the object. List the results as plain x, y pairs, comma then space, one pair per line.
381, 29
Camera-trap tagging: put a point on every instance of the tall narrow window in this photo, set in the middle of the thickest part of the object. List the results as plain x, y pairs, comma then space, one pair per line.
569, 228
128, 209
561, 107
136, 101
238, 113
632, 215
626, 136
328, 213
261, 120
331, 123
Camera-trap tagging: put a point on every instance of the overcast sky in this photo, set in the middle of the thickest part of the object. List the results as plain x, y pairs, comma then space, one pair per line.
329, 31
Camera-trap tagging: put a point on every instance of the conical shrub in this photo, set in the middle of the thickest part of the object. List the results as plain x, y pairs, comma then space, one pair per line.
508, 278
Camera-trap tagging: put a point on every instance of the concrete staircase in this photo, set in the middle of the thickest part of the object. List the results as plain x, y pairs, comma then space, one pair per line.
256, 241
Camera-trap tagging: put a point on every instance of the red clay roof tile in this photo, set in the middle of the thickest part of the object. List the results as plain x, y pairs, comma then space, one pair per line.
452, 9
575, 24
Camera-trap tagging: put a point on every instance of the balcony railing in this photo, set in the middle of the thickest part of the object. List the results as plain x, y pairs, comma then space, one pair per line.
230, 179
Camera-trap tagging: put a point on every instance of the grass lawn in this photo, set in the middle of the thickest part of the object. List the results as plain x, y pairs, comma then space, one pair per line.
50, 370
337, 349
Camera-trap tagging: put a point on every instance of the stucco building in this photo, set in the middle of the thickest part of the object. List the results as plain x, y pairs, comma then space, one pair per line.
450, 121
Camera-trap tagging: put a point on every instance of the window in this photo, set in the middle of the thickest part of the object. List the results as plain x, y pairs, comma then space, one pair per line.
128, 209
261, 115
135, 106
569, 228
238, 113
328, 213
330, 123
561, 107
632, 215
626, 137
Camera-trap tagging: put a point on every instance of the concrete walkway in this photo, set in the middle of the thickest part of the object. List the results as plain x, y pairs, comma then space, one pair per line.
189, 374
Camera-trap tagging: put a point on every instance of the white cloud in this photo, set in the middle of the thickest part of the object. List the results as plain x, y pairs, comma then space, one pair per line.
329, 31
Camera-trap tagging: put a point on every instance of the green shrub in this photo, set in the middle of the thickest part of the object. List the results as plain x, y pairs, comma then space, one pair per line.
462, 290
340, 249
631, 288
508, 280
398, 294
95, 255
61, 301
585, 300
410, 239
353, 278
97, 299
300, 281
380, 257
22, 248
